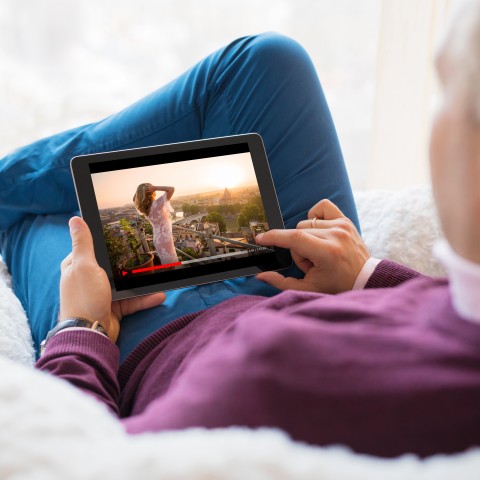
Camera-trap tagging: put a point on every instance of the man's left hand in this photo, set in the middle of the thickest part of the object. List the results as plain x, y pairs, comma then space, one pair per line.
85, 289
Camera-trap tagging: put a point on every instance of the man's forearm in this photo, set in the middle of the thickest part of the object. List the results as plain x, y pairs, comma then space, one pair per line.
87, 360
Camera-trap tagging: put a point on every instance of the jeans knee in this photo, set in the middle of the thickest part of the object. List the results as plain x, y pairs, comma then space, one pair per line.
276, 50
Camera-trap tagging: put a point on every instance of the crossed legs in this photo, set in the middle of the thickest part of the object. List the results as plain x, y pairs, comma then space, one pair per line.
265, 84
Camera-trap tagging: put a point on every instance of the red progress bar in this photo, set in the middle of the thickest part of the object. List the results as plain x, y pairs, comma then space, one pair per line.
148, 269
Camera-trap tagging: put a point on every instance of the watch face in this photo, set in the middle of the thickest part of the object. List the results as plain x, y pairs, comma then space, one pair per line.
42, 346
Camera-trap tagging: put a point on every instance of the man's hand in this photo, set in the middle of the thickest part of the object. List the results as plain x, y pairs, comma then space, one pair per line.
85, 289
327, 248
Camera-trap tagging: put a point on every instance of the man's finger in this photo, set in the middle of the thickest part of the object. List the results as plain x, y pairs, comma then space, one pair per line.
277, 280
82, 242
303, 243
325, 210
316, 223
304, 264
137, 304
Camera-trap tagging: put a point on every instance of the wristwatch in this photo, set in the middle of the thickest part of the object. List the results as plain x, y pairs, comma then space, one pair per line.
71, 323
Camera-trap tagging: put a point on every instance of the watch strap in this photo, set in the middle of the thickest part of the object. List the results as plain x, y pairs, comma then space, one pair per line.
75, 322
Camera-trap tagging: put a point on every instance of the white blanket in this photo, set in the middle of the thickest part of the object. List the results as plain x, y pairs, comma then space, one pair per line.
50, 430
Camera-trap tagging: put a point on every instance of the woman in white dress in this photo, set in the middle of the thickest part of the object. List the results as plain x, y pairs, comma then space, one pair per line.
157, 211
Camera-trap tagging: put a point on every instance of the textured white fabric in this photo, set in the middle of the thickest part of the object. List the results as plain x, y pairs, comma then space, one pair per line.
74, 437
50, 430
464, 279
401, 226
15, 337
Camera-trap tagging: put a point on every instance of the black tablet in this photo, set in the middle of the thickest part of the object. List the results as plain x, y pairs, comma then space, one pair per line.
182, 214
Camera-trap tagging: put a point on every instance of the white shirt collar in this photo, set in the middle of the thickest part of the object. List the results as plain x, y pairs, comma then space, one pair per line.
464, 277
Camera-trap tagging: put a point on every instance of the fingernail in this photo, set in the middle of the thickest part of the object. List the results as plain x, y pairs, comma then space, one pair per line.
259, 236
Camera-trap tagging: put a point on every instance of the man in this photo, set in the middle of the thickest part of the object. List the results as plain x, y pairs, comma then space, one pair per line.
383, 370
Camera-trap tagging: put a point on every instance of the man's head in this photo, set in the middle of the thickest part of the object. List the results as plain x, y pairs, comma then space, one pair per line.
455, 136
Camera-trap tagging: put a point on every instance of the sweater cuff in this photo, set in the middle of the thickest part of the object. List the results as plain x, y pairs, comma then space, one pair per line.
390, 274
83, 342
70, 329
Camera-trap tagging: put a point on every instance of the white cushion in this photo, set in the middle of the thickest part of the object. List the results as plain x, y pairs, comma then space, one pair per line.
401, 226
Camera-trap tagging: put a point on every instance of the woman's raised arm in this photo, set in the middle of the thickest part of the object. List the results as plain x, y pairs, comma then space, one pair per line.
169, 190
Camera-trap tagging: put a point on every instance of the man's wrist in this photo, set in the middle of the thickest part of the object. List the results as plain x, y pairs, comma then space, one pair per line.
71, 324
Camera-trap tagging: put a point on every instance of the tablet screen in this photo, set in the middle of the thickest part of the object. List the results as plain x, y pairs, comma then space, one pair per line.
177, 216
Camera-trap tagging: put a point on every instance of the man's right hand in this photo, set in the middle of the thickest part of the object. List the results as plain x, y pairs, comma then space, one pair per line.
327, 248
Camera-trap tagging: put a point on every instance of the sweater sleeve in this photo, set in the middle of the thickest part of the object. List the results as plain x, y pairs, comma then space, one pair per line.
390, 274
87, 360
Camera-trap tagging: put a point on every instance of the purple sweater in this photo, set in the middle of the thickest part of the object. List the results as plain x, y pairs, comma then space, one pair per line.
382, 370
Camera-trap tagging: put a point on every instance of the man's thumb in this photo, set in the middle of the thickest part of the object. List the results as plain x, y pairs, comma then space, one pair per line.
82, 242
277, 280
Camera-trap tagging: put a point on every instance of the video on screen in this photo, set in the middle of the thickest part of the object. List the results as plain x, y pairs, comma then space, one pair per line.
182, 215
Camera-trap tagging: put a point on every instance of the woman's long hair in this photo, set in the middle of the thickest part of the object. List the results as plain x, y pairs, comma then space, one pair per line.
142, 200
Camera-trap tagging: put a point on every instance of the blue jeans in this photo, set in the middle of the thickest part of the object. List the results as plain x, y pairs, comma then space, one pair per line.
265, 84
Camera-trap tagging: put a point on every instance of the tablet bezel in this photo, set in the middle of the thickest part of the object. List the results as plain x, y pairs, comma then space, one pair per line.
81, 172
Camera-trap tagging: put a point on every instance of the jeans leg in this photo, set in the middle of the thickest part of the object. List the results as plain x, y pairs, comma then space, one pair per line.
271, 87
265, 84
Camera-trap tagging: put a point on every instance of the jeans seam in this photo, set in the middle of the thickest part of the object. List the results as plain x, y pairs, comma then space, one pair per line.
139, 134
105, 146
150, 129
229, 120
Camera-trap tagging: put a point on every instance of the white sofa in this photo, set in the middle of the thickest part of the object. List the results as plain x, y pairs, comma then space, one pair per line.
49, 430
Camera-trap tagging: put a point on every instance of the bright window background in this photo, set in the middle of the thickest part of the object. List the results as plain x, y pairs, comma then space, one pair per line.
68, 62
